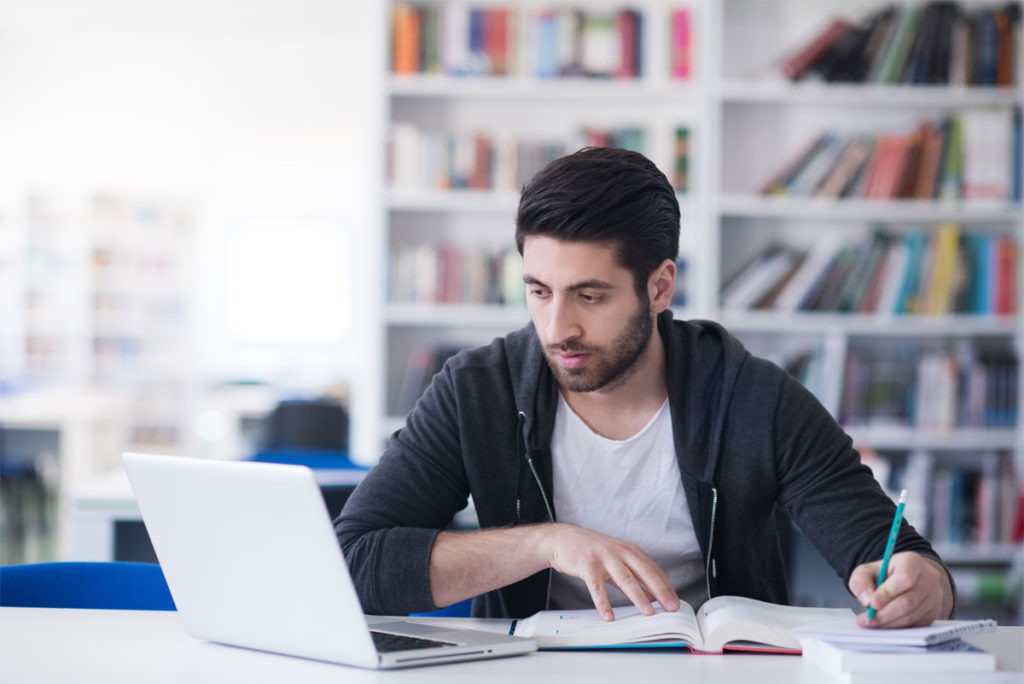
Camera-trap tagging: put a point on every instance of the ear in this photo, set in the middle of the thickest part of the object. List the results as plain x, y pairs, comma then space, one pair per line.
661, 285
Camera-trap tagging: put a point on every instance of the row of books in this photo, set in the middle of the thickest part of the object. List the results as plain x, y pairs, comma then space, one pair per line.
974, 503
957, 499
421, 160
432, 274
931, 390
974, 155
457, 39
934, 43
940, 271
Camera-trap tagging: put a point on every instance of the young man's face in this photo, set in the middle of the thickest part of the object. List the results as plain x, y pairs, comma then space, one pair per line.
590, 321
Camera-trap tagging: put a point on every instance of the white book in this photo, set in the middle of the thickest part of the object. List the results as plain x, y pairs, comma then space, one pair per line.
988, 153
892, 275
756, 281
454, 41
722, 623
808, 273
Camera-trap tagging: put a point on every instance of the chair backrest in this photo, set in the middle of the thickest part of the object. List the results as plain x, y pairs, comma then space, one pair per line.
115, 585
319, 424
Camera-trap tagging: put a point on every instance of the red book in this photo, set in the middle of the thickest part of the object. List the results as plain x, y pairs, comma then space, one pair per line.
1006, 276
681, 44
481, 177
496, 40
795, 66
626, 25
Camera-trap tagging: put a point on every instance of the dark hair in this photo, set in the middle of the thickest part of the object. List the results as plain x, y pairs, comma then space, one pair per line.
604, 194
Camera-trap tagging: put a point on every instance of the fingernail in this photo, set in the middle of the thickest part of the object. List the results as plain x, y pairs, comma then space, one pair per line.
864, 598
607, 615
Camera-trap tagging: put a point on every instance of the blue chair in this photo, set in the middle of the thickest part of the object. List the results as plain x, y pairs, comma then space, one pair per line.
117, 585
460, 609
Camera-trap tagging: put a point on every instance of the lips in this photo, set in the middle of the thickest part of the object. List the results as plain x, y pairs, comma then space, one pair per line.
570, 360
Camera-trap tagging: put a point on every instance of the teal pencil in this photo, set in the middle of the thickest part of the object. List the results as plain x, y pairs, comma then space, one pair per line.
894, 532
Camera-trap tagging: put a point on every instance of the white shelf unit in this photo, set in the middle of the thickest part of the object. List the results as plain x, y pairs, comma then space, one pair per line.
745, 122
763, 120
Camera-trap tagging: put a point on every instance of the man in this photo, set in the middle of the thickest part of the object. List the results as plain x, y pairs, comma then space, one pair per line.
614, 455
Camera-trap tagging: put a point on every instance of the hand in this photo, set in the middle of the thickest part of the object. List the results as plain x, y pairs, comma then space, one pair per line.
596, 559
916, 592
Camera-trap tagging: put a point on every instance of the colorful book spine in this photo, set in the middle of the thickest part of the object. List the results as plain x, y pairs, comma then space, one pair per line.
681, 59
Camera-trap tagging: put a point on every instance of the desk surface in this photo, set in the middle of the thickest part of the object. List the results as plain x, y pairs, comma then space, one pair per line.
84, 646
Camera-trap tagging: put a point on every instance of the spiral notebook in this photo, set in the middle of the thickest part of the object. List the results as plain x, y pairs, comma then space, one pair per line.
847, 631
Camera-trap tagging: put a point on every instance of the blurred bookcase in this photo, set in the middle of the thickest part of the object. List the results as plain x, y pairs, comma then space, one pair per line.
730, 98
98, 301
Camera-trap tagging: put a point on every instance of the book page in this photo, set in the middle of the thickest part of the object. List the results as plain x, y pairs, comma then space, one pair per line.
734, 618
567, 628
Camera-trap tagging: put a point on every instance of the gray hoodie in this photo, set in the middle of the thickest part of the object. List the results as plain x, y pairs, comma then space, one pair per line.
748, 438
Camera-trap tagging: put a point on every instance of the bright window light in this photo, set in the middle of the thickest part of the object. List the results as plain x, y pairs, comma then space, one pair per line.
287, 282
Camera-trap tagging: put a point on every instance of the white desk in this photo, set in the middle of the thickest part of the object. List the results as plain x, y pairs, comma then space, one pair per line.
109, 647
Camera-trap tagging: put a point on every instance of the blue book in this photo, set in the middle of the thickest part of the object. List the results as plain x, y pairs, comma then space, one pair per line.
477, 51
908, 288
547, 45
1015, 186
980, 248
986, 44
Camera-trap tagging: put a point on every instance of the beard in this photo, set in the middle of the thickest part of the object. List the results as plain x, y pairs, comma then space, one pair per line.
607, 366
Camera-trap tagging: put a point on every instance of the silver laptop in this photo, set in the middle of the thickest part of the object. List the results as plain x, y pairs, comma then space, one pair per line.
251, 560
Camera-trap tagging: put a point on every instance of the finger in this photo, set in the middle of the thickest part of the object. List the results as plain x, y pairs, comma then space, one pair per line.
862, 582
904, 611
599, 594
655, 581
627, 582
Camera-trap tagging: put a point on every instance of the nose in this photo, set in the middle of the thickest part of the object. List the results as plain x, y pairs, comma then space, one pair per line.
562, 324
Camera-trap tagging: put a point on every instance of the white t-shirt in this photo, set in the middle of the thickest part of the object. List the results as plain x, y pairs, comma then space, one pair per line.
630, 490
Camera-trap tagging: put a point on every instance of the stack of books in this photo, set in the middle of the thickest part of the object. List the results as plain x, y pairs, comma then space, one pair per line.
933, 654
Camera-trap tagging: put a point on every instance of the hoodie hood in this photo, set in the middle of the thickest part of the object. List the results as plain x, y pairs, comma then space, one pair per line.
703, 362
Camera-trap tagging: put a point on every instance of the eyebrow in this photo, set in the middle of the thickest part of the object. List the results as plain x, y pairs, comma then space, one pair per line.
592, 284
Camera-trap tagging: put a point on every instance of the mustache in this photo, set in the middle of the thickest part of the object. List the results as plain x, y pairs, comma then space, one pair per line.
570, 347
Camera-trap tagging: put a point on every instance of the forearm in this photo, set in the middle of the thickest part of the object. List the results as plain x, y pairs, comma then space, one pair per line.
466, 564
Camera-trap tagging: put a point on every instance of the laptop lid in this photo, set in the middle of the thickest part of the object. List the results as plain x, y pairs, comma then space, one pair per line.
252, 560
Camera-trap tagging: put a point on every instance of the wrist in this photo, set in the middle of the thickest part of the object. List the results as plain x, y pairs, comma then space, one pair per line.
544, 539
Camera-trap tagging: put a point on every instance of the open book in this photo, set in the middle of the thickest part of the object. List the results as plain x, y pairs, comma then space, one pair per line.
724, 622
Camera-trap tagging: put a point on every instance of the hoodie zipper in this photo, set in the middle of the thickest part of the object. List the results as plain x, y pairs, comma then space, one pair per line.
543, 494
709, 569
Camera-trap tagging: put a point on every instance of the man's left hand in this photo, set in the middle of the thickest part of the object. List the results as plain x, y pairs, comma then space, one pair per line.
916, 592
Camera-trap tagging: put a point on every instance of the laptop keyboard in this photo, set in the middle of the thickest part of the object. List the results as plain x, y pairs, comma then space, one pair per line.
388, 643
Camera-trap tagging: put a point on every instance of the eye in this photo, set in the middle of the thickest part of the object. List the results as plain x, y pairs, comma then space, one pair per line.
536, 291
590, 298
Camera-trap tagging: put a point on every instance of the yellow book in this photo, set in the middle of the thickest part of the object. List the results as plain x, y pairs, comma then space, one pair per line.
940, 290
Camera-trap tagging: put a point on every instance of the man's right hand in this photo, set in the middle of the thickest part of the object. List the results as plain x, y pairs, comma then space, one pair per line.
596, 559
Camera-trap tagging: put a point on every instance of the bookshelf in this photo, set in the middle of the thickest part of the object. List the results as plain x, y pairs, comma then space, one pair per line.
745, 121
